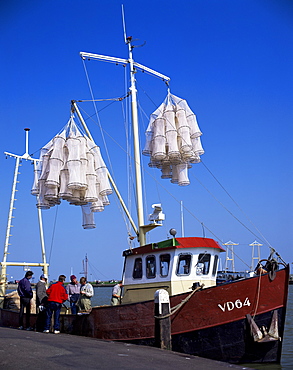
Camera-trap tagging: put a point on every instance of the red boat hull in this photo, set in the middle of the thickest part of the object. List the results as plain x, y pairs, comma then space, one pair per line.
212, 323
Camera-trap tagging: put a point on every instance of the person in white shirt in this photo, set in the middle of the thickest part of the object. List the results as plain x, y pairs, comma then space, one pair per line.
86, 293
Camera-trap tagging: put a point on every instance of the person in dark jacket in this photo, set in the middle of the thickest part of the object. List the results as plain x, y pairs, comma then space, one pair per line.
41, 295
56, 296
41, 302
25, 293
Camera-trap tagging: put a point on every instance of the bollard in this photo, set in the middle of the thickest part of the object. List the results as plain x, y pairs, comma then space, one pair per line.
162, 324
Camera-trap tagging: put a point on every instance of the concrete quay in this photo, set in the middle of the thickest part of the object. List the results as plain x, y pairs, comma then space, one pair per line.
21, 349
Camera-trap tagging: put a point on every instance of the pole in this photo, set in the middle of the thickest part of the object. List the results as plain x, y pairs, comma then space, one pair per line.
85, 271
137, 164
4, 262
162, 320
45, 268
182, 220
3, 265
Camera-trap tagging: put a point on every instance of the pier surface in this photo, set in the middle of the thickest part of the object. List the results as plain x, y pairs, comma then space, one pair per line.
21, 349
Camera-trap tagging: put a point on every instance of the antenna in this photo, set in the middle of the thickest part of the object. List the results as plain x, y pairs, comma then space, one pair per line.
182, 220
123, 21
26, 154
26, 143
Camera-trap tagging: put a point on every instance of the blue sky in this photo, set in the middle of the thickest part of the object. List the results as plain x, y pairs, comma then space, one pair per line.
232, 62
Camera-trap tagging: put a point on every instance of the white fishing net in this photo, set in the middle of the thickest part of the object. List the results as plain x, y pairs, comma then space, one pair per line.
173, 140
71, 168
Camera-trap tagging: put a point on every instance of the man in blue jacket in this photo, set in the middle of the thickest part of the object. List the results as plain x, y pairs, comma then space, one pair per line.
25, 293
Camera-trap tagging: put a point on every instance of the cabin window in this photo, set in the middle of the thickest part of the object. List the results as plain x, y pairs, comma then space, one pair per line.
203, 264
137, 269
150, 267
215, 265
184, 262
164, 264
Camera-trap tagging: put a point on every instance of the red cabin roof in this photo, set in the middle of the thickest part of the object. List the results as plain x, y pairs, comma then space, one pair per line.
177, 243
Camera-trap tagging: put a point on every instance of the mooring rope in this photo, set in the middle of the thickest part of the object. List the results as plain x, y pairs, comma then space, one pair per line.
258, 294
179, 305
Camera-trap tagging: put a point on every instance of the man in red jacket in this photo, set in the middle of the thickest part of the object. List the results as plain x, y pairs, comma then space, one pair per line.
56, 296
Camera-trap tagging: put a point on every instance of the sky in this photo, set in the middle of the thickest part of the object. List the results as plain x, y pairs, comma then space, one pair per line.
232, 62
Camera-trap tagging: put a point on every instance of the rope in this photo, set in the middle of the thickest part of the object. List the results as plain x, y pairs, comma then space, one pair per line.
53, 233
237, 219
179, 305
258, 294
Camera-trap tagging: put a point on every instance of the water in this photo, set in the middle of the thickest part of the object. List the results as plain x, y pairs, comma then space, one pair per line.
287, 353
102, 296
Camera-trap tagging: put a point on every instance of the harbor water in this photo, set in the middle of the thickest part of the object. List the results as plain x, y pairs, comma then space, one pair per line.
102, 296
287, 354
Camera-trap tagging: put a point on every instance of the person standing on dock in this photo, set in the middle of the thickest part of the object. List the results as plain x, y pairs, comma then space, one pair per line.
86, 293
73, 291
56, 296
41, 302
41, 295
116, 294
25, 293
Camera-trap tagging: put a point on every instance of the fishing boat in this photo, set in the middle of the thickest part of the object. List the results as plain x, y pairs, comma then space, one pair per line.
237, 321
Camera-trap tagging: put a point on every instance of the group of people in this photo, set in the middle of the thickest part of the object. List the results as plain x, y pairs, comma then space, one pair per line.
79, 295
49, 301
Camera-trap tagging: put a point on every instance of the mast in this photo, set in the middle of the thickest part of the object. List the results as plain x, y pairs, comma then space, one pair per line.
140, 212
142, 228
85, 267
4, 262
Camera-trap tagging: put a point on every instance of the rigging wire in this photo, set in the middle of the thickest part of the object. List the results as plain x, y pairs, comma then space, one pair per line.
103, 137
157, 182
236, 218
129, 155
53, 233
128, 146
96, 111
142, 175
98, 271
260, 233
142, 113
256, 235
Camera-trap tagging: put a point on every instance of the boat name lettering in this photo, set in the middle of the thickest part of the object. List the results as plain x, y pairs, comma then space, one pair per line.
229, 306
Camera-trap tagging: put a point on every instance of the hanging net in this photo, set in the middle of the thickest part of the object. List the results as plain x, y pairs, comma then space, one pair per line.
173, 140
71, 168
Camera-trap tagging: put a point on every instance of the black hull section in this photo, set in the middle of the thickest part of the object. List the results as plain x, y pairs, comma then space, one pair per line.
230, 342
